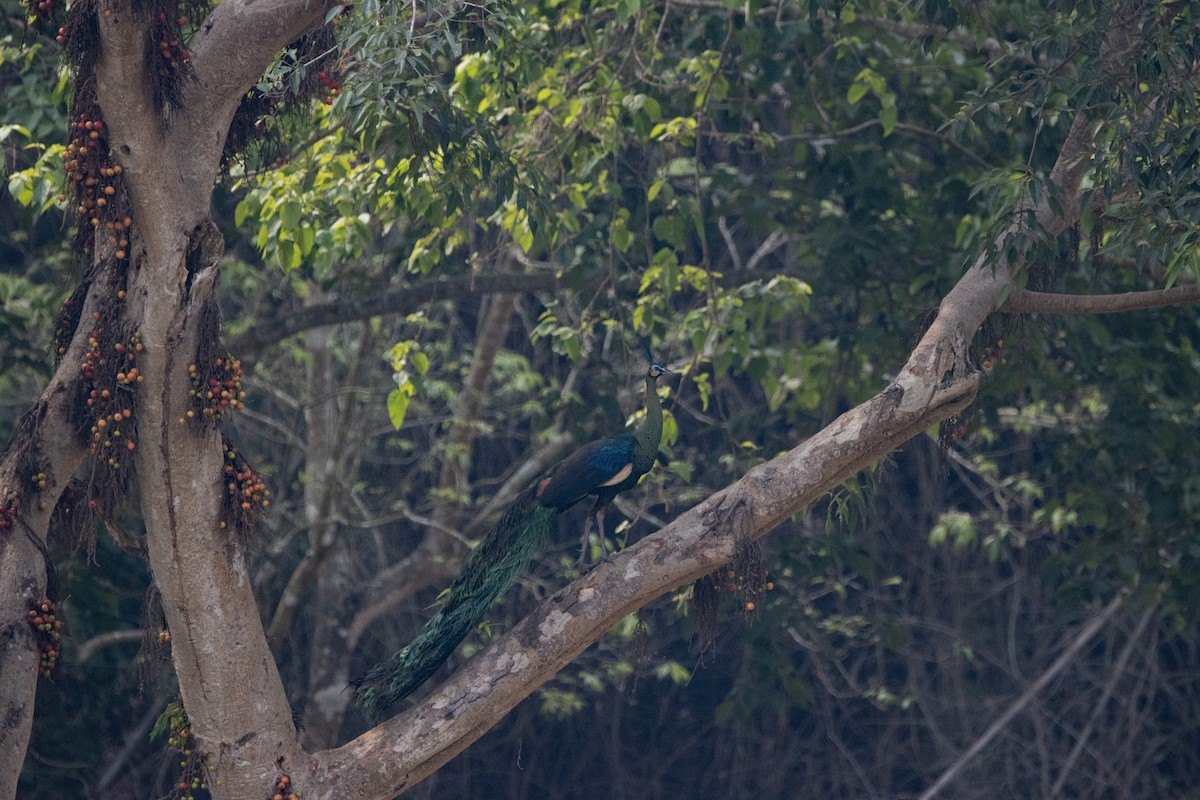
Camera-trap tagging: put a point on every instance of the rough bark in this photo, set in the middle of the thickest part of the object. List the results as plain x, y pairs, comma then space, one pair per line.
231, 689
45, 442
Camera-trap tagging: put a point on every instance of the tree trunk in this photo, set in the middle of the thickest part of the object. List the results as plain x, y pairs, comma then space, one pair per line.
239, 715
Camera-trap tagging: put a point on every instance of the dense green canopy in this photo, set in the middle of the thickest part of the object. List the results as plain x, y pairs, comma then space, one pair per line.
447, 235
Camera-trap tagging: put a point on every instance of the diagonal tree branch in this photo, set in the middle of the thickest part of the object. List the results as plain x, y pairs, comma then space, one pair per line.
1027, 302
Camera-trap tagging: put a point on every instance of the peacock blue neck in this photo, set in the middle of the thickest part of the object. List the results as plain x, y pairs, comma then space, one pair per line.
649, 432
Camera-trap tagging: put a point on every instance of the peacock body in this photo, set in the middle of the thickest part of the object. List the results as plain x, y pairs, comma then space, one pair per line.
602, 468
490, 569
606, 467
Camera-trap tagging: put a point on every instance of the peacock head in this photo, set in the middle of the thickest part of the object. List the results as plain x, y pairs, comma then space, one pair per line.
656, 369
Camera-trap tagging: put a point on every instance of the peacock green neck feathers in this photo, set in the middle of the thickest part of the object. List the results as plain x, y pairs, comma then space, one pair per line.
649, 430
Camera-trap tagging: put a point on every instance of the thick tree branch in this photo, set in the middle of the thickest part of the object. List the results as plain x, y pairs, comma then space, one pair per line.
1027, 302
411, 746
45, 441
237, 41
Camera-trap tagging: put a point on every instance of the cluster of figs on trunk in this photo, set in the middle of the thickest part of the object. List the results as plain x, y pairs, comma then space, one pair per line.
48, 629
110, 402
740, 584
217, 388
173, 56
191, 777
94, 179
284, 789
246, 492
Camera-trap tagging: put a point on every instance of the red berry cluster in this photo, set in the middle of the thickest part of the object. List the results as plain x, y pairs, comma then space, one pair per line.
246, 493
94, 180
8, 515
39, 10
218, 391
111, 408
284, 789
47, 627
993, 354
191, 776
739, 584
173, 56
331, 86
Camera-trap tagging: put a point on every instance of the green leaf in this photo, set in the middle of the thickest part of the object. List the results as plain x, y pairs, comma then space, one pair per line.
670, 228
887, 118
241, 212
682, 469
670, 429
306, 238
397, 404
420, 362
290, 213
8, 130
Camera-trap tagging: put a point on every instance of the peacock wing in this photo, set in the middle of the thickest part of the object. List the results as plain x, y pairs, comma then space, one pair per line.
592, 466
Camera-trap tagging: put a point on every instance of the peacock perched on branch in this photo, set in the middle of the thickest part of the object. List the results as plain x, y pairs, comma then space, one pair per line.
603, 468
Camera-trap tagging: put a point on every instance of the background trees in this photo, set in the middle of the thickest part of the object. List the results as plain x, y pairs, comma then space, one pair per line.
445, 236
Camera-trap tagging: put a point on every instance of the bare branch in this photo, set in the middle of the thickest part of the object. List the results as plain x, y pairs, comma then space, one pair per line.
464, 426
97, 643
1110, 686
1027, 302
1085, 635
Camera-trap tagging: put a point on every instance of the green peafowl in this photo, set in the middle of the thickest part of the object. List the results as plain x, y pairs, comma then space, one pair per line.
603, 468
606, 467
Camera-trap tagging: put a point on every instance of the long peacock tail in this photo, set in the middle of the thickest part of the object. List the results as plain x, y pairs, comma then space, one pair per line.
489, 570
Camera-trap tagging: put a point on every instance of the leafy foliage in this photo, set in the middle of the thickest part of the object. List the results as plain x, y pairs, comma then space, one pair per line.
775, 194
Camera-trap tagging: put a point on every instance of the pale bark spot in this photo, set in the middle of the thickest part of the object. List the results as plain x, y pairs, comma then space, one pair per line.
554, 624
